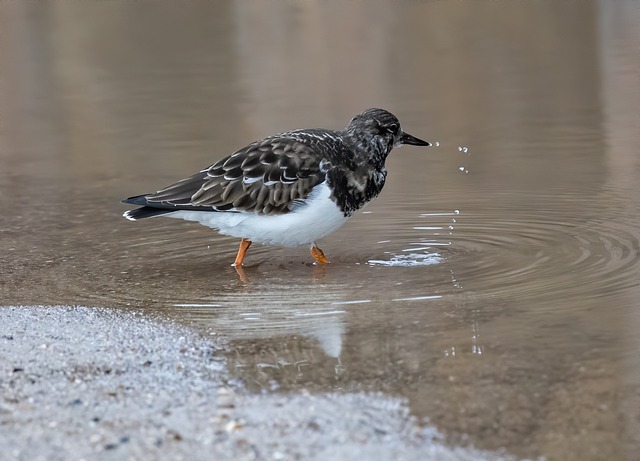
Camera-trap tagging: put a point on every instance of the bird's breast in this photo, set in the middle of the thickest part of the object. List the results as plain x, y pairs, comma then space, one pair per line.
351, 190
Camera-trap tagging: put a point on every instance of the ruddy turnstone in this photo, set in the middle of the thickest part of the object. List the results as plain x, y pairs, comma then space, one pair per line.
288, 189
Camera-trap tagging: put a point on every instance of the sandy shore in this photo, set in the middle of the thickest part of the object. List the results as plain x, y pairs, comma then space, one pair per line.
84, 383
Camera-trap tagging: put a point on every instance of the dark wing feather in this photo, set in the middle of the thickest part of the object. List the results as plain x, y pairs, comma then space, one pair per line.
270, 176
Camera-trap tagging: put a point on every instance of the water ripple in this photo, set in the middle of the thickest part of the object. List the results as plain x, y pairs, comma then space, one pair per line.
546, 256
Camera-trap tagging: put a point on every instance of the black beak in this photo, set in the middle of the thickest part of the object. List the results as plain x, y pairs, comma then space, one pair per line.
406, 138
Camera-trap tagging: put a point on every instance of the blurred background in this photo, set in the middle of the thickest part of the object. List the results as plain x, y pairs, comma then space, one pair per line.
495, 287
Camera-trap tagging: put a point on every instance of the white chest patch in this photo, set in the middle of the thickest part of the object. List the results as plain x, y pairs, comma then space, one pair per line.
318, 217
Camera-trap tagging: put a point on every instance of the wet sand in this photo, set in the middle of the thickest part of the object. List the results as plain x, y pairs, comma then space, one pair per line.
87, 383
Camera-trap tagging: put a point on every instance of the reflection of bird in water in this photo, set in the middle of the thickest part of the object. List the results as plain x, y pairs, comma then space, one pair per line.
318, 273
289, 189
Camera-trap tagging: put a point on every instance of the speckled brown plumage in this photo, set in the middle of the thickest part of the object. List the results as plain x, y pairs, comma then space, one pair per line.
266, 177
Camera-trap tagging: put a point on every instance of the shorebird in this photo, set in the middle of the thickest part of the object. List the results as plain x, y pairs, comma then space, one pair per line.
288, 189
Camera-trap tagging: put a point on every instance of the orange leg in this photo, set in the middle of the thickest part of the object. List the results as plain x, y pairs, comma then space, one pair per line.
244, 246
318, 255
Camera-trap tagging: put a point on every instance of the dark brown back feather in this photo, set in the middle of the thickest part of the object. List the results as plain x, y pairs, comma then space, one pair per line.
267, 177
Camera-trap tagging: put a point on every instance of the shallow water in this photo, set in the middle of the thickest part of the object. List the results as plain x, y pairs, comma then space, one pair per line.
500, 299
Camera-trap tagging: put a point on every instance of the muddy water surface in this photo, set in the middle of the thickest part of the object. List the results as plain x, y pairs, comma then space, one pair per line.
496, 289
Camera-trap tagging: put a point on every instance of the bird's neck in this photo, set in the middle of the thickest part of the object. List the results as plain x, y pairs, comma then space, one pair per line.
367, 149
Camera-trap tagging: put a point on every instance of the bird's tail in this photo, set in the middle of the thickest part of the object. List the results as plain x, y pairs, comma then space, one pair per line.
145, 212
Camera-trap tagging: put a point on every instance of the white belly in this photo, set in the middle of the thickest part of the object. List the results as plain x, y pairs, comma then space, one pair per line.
306, 224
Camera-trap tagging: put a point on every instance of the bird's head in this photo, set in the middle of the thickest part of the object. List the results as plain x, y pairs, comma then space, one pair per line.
380, 131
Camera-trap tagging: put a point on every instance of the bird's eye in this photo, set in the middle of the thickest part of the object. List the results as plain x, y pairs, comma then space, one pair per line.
393, 129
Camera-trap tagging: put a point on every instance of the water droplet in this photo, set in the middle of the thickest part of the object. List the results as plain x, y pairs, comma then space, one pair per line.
453, 220
461, 168
459, 148
450, 227
466, 171
437, 144
465, 149
456, 211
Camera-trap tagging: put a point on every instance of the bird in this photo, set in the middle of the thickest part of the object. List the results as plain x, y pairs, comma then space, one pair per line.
289, 189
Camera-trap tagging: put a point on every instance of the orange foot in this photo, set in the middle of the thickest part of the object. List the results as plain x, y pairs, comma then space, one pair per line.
244, 246
318, 255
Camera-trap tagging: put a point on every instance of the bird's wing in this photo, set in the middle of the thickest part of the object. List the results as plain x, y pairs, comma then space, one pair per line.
270, 176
